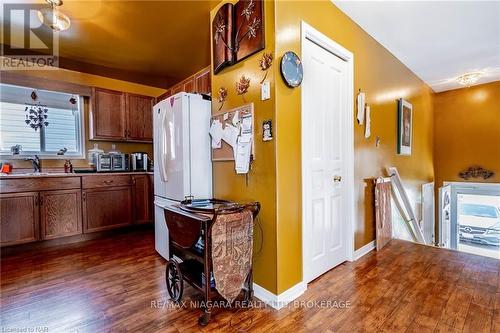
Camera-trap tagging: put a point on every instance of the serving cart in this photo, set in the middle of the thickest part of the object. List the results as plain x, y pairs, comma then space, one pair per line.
190, 239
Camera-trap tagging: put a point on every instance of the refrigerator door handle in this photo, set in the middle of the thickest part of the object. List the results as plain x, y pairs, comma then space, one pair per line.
163, 146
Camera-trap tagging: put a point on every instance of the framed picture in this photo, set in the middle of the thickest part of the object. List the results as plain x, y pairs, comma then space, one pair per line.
248, 28
237, 32
222, 29
405, 127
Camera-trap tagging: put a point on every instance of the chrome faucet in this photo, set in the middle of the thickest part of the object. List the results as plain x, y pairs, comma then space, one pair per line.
35, 161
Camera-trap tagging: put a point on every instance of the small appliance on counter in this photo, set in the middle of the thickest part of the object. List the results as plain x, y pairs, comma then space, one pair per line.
107, 162
139, 162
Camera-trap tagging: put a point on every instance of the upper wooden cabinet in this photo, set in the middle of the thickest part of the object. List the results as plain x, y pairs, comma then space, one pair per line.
189, 86
119, 116
202, 81
139, 118
108, 120
176, 89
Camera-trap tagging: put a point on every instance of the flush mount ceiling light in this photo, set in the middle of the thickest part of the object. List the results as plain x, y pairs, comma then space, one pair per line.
52, 17
469, 78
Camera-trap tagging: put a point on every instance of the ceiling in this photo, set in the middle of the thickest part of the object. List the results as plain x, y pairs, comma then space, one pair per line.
153, 42
438, 41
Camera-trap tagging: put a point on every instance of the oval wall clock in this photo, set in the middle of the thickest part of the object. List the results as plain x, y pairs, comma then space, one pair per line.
291, 69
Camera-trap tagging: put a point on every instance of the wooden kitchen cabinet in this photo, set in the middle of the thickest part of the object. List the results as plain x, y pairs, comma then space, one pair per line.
108, 119
19, 218
119, 116
142, 199
176, 89
189, 86
60, 213
203, 81
139, 118
107, 208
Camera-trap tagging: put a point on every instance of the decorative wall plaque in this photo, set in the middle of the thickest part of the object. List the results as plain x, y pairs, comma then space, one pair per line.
476, 172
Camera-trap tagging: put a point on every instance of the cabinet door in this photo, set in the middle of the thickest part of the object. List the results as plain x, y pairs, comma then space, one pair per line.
139, 118
189, 85
176, 89
203, 81
142, 199
163, 96
108, 115
19, 218
60, 213
106, 208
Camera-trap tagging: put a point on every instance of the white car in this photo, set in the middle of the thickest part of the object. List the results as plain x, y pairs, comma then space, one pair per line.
479, 223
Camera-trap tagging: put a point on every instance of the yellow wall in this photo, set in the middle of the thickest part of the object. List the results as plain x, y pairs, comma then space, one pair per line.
276, 177
96, 81
467, 131
262, 177
384, 79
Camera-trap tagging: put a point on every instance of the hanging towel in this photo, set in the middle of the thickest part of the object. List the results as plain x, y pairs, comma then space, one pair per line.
368, 122
361, 108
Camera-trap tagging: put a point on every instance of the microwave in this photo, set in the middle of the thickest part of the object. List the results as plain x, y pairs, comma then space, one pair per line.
110, 162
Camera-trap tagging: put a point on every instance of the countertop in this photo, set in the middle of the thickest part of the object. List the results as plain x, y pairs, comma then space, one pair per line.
62, 174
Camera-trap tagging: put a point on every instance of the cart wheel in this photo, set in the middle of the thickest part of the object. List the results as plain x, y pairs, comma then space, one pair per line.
173, 277
204, 318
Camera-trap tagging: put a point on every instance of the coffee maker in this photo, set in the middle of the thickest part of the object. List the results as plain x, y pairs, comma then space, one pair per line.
139, 162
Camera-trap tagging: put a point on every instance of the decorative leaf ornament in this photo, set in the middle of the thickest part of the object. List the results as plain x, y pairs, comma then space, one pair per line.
221, 96
265, 62
242, 86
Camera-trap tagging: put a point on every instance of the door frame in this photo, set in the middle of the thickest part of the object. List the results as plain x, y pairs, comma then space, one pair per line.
313, 35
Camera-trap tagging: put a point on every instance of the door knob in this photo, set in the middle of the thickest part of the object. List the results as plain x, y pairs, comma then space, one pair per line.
337, 179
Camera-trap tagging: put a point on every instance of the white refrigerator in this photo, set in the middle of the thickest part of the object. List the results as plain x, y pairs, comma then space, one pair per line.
182, 156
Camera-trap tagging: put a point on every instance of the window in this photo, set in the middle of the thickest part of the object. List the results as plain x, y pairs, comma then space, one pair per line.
63, 131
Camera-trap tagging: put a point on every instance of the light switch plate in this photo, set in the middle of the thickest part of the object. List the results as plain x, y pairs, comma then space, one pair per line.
265, 90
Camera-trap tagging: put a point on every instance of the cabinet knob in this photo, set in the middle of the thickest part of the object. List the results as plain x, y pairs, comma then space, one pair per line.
107, 181
337, 179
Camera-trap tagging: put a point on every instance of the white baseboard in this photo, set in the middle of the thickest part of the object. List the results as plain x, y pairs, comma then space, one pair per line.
281, 300
364, 250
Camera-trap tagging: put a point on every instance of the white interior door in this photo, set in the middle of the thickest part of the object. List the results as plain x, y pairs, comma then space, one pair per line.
324, 106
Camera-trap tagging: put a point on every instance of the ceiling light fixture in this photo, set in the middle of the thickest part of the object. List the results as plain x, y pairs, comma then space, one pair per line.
52, 17
469, 78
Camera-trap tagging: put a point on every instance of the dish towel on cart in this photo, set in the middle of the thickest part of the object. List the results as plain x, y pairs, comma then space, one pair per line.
232, 246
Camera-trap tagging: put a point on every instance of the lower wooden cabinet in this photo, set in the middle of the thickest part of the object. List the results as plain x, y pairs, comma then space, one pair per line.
60, 213
142, 199
107, 208
33, 209
19, 218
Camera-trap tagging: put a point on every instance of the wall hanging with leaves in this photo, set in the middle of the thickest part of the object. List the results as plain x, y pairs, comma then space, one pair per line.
237, 32
36, 113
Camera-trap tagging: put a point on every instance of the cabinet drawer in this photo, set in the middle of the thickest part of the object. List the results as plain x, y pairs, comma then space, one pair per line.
38, 184
97, 181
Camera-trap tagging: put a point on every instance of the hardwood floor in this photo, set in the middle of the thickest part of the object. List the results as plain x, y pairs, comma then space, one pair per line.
117, 284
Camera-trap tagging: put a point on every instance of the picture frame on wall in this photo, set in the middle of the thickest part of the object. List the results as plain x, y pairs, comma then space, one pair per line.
405, 127
237, 32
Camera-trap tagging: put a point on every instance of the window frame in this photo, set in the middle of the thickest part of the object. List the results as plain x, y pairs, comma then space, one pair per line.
52, 155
